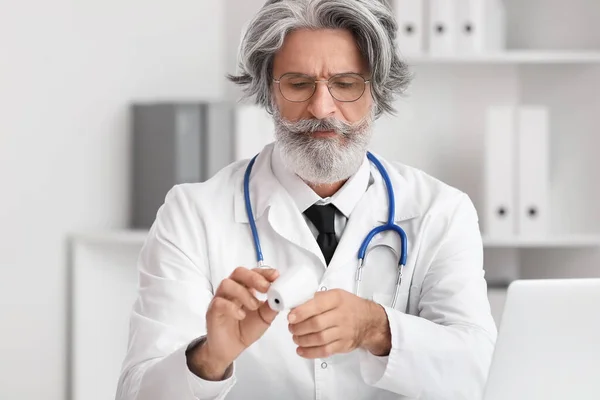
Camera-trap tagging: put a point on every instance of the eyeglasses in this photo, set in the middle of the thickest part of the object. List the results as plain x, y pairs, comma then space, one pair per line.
298, 88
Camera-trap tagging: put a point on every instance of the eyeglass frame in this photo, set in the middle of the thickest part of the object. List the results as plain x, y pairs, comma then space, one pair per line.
366, 81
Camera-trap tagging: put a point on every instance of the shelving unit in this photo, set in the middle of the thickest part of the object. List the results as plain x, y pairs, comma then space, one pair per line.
137, 237
513, 57
103, 283
566, 242
552, 59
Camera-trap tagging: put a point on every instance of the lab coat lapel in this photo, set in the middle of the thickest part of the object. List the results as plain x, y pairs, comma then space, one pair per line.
407, 206
361, 221
288, 222
372, 211
270, 200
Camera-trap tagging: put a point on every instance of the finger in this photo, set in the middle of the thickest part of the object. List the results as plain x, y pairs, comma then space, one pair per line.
315, 324
319, 304
220, 307
254, 279
237, 293
321, 338
321, 351
270, 274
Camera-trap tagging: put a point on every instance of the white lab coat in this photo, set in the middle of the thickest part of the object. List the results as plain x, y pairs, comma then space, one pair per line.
442, 330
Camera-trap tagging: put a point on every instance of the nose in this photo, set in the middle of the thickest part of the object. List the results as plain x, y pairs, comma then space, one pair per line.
322, 104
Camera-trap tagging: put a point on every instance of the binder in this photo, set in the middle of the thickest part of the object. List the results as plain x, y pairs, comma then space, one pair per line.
481, 26
534, 171
442, 27
173, 143
410, 18
499, 172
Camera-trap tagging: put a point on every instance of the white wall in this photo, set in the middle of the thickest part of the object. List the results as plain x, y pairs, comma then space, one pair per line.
236, 22
68, 70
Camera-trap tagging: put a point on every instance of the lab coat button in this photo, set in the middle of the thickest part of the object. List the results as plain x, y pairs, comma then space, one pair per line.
323, 365
323, 288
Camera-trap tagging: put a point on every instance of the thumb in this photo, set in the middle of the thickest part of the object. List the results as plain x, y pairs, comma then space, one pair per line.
266, 313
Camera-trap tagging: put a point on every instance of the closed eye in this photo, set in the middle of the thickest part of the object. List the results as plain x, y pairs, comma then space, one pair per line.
301, 85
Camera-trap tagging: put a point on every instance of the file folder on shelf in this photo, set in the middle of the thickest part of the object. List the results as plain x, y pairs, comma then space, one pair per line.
533, 171
481, 26
410, 17
442, 27
499, 172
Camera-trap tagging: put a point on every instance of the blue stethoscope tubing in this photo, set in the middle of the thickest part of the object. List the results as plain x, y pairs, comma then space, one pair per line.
389, 226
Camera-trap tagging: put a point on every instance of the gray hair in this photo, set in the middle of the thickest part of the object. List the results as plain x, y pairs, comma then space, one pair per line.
371, 22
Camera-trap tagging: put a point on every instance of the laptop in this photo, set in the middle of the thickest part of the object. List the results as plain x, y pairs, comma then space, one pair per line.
548, 344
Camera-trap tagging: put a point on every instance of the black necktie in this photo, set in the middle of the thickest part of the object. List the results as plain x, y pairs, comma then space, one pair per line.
323, 218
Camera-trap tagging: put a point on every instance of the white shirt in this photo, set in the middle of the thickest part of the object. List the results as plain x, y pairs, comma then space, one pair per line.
442, 330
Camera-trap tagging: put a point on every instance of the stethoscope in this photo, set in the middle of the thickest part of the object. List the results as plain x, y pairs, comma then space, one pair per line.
389, 226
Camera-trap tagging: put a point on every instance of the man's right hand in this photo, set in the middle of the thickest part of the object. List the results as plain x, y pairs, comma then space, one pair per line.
235, 319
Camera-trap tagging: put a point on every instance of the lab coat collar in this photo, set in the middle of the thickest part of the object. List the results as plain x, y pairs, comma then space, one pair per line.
407, 206
265, 188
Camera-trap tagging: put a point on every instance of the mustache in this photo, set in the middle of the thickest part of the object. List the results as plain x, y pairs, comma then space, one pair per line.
308, 126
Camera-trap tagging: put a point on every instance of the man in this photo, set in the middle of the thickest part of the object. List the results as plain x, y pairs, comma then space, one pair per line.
325, 69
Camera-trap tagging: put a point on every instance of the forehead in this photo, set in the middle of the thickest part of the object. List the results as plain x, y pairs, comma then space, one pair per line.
321, 52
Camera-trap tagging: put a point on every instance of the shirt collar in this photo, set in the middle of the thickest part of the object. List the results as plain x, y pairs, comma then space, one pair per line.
344, 199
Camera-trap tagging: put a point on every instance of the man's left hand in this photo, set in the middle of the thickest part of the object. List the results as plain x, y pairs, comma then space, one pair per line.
336, 321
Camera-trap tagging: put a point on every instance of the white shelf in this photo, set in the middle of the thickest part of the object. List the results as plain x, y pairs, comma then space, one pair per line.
513, 57
571, 241
137, 237
110, 237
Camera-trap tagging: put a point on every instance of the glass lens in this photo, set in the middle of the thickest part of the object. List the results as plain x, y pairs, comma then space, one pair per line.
347, 87
297, 87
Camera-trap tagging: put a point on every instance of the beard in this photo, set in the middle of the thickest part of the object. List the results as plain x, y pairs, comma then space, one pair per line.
323, 160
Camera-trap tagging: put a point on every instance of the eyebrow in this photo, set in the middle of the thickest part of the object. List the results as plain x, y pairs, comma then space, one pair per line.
314, 77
